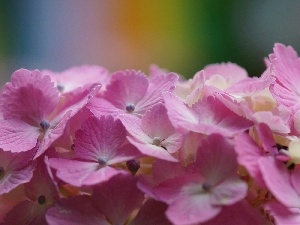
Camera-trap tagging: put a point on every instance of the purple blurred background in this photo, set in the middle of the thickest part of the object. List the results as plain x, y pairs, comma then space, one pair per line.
180, 35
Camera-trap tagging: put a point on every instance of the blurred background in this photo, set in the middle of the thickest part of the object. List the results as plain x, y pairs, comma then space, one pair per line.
180, 35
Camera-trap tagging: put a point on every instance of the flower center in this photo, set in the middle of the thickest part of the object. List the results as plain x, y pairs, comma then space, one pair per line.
2, 172
42, 199
60, 87
206, 187
102, 161
156, 141
44, 124
130, 107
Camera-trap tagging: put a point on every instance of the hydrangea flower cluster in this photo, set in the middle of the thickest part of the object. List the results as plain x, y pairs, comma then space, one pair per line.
86, 146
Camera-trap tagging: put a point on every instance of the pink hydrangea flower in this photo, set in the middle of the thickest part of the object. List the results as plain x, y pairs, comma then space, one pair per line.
34, 113
206, 116
98, 145
211, 183
153, 135
15, 169
132, 92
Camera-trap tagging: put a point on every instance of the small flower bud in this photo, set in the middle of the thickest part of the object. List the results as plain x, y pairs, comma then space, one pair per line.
133, 165
41, 199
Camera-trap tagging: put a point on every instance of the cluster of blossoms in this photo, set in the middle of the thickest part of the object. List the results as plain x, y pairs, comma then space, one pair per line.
86, 146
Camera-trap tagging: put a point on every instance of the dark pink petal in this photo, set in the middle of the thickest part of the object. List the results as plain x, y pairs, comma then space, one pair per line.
17, 136
151, 213
126, 87
277, 178
216, 159
29, 96
75, 211
117, 198
27, 213
240, 213
99, 138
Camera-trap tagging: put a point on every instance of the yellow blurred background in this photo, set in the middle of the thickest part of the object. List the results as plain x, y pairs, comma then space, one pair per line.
180, 35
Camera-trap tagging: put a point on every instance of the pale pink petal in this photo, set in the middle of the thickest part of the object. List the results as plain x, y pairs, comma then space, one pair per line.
285, 97
215, 117
75, 77
117, 198
151, 213
229, 192
15, 178
17, 136
156, 122
75, 211
72, 171
30, 96
193, 209
287, 67
152, 150
230, 71
102, 107
126, 87
277, 178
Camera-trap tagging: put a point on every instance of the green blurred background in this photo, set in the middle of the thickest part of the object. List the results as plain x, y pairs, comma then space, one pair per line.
180, 35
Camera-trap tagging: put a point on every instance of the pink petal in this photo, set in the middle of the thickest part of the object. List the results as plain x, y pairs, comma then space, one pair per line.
26, 212
72, 171
230, 71
152, 150
277, 178
126, 87
75, 77
248, 155
193, 209
239, 214
75, 211
117, 198
99, 138
102, 107
158, 85
229, 192
17, 136
151, 213
30, 96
